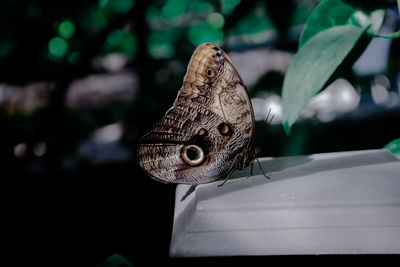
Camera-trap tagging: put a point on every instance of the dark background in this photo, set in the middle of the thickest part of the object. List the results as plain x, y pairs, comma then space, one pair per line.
74, 193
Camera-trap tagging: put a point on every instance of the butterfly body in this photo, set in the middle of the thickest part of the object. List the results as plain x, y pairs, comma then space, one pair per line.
208, 132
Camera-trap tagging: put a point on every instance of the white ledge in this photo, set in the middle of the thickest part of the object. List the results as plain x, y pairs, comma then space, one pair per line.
332, 203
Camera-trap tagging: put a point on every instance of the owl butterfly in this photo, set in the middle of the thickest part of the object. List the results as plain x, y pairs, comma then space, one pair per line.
208, 132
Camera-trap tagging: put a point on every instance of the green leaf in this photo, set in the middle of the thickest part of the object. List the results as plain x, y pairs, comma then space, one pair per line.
394, 147
332, 13
312, 67
331, 33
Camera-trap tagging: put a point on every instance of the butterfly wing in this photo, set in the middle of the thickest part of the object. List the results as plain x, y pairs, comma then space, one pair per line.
208, 132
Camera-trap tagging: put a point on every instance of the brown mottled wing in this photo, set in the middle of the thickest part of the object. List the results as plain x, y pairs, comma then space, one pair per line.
208, 132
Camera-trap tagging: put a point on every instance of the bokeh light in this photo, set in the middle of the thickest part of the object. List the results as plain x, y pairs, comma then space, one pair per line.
123, 6
229, 5
57, 48
115, 37
66, 29
34, 11
20, 150
122, 41
39, 149
202, 32
73, 58
200, 7
174, 8
255, 28
216, 20
381, 93
94, 20
161, 44
159, 50
116, 6
338, 98
5, 48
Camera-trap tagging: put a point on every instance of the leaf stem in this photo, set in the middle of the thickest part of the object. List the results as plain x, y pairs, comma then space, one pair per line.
389, 36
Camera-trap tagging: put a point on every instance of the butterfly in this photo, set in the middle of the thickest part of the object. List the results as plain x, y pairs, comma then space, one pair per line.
208, 133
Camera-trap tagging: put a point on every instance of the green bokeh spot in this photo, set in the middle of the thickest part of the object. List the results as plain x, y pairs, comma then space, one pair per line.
252, 24
73, 58
115, 37
123, 6
102, 3
116, 6
162, 50
66, 29
57, 48
161, 43
216, 20
121, 41
174, 8
202, 32
94, 20
128, 43
5, 48
200, 7
34, 11
228, 6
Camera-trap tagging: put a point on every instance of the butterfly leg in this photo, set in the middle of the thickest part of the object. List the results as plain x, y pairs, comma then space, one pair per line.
258, 163
227, 177
261, 169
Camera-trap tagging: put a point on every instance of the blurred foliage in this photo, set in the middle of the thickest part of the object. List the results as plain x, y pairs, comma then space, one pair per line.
58, 42
50, 37
62, 42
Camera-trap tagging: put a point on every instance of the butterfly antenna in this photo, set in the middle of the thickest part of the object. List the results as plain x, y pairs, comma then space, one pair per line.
268, 123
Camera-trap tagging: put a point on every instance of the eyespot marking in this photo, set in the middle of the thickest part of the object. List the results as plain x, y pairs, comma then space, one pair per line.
202, 132
225, 129
192, 155
210, 73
